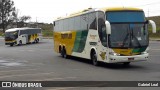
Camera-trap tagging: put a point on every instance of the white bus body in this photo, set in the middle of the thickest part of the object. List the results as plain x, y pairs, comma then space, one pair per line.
18, 36
111, 35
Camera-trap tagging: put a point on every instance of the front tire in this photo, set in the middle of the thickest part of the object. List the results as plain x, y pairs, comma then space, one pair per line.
126, 63
37, 40
94, 59
11, 44
20, 43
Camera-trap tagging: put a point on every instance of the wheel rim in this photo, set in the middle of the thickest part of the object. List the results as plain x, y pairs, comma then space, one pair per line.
20, 42
37, 40
63, 53
94, 59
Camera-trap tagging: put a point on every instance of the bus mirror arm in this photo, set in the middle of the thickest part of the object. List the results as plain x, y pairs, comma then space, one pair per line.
108, 27
153, 24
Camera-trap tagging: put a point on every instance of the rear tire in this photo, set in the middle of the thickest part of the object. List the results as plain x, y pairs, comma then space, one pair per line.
36, 40
63, 53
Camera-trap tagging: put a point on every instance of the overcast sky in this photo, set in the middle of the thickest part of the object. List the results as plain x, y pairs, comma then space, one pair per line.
48, 10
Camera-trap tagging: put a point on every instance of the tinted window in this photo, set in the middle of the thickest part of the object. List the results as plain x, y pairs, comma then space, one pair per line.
126, 16
102, 28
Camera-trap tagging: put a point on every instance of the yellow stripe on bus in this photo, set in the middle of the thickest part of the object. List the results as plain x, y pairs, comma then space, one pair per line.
66, 39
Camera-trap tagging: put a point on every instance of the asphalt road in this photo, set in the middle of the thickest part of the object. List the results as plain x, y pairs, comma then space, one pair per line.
38, 62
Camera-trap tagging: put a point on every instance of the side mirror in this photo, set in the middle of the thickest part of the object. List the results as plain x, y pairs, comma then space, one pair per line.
153, 24
108, 27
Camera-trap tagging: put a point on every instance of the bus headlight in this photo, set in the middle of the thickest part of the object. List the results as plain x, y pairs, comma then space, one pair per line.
146, 51
113, 53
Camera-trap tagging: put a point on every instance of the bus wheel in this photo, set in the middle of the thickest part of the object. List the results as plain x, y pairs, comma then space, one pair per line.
63, 53
20, 43
94, 59
37, 40
11, 44
126, 63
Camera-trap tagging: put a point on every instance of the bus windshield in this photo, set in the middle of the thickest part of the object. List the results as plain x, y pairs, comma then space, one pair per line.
125, 16
129, 30
11, 35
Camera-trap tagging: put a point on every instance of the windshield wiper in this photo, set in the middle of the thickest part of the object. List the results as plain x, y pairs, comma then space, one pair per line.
126, 37
133, 36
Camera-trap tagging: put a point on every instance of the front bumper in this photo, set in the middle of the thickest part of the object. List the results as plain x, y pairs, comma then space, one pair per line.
10, 42
121, 59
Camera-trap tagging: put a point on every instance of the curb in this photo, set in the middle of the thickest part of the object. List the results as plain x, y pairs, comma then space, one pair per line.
154, 39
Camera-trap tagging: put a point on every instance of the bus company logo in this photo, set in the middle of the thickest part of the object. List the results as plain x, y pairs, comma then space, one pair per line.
103, 54
93, 36
6, 84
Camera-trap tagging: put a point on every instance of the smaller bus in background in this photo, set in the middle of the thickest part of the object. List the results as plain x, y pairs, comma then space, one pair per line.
19, 36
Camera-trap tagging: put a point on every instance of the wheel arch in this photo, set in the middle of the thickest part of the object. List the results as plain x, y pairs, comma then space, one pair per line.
60, 48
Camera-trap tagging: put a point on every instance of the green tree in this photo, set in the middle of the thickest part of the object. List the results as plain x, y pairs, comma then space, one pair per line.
7, 10
19, 20
22, 20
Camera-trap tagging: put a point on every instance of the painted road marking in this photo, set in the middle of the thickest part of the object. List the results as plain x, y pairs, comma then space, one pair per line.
12, 62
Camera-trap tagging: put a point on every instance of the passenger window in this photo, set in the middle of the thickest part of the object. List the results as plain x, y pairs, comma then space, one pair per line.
102, 28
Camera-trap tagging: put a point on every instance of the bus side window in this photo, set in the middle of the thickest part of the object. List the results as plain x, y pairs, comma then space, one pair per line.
102, 29
92, 21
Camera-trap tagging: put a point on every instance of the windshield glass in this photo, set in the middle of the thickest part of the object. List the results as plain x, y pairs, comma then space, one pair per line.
139, 35
11, 35
125, 16
128, 35
120, 35
128, 29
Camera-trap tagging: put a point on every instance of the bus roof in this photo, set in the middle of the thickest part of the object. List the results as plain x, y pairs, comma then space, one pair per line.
121, 9
78, 13
15, 29
101, 9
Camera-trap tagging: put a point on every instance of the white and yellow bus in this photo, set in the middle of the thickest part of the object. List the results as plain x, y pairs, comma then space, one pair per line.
19, 36
111, 35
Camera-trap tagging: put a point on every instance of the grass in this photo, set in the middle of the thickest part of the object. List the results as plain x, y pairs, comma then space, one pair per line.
156, 19
47, 33
154, 35
1, 33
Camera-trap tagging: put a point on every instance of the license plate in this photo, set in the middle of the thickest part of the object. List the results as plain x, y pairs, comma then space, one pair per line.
130, 59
